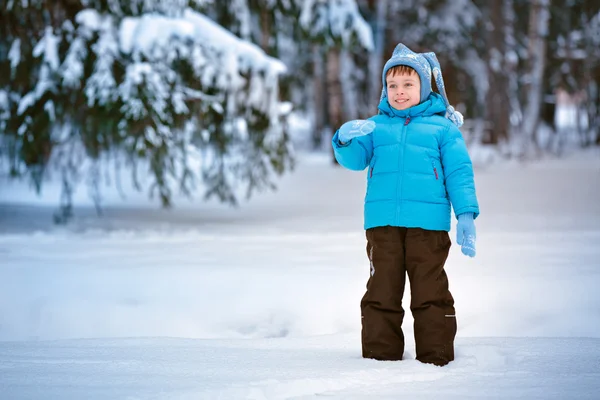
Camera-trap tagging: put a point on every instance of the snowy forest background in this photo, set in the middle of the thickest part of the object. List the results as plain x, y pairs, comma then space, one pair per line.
215, 98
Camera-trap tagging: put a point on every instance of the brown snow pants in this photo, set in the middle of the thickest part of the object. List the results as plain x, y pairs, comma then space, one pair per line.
395, 252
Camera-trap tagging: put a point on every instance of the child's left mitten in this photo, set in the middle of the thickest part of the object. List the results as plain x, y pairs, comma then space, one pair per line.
355, 128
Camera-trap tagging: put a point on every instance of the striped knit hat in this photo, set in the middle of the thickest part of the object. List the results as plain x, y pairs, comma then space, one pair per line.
425, 64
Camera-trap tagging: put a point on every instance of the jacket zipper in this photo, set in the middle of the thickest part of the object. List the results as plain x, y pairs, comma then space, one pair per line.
399, 188
435, 171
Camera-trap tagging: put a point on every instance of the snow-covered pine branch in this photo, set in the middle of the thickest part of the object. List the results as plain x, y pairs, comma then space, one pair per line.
335, 20
194, 70
177, 94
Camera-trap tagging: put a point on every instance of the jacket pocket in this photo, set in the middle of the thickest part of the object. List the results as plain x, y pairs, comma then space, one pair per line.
372, 166
435, 171
437, 174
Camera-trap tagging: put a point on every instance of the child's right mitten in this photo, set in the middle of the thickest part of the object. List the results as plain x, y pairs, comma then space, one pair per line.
355, 128
465, 234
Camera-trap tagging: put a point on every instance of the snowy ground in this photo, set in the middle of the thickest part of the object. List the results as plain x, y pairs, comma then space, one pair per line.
208, 302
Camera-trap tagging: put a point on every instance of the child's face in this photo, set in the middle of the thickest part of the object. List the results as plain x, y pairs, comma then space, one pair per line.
403, 90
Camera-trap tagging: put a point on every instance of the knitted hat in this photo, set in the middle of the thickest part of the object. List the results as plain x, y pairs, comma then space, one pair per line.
424, 64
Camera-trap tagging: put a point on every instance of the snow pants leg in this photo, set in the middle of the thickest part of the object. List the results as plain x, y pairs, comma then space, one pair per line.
381, 306
421, 254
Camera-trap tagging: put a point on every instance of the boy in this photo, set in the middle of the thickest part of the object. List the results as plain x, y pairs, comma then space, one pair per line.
418, 166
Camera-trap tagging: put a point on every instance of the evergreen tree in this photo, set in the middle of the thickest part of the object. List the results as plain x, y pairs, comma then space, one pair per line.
153, 86
539, 17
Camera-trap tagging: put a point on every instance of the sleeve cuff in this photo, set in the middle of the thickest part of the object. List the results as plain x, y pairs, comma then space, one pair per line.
336, 141
474, 211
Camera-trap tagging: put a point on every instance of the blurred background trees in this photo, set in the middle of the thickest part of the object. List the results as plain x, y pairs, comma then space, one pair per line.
213, 97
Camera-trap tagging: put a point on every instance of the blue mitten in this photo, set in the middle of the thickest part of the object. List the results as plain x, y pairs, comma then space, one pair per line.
352, 129
465, 234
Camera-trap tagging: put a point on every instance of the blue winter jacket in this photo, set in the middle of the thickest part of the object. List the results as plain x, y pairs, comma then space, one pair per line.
418, 166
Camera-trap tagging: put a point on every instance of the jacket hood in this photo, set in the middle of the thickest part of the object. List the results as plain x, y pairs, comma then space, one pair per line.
426, 65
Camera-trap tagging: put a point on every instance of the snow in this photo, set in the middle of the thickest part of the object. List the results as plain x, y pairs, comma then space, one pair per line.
262, 302
4, 108
340, 13
14, 54
220, 60
100, 86
145, 33
49, 108
72, 69
340, 18
454, 16
154, 31
90, 19
48, 46
26, 101
477, 68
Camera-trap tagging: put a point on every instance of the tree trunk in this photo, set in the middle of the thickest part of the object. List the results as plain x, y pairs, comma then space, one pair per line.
349, 85
265, 28
334, 90
497, 97
593, 106
538, 31
334, 94
376, 59
591, 79
320, 97
511, 61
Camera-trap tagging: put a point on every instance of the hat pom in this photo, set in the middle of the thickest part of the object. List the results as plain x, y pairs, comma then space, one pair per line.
454, 116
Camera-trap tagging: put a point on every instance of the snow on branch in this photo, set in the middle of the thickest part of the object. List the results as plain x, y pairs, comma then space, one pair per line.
150, 31
339, 18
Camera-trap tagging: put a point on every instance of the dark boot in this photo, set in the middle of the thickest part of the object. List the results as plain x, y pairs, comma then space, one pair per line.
431, 303
381, 306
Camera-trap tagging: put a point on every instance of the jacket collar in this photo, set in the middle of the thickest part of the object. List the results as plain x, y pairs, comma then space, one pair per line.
433, 105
